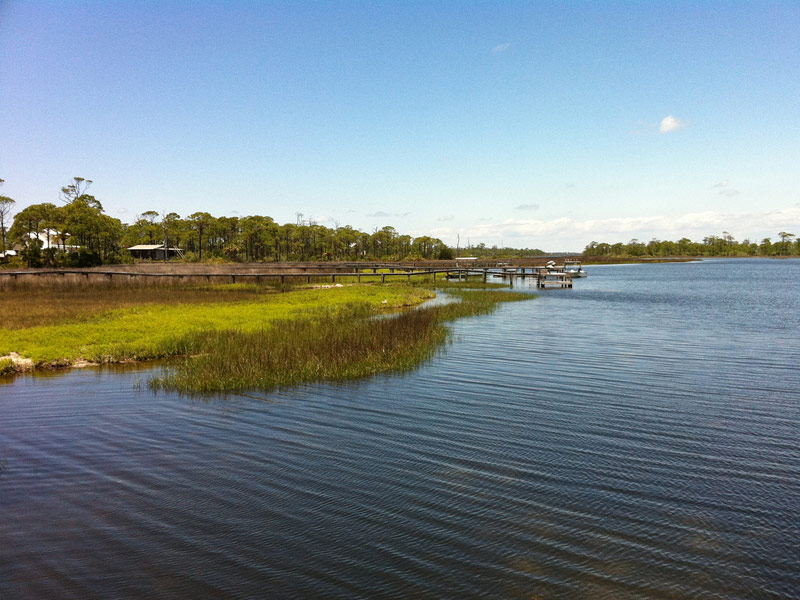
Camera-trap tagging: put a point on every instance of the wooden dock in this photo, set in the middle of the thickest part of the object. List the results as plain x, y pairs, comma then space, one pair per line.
560, 280
545, 276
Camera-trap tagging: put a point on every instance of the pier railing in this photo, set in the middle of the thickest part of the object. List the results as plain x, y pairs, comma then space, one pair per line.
545, 277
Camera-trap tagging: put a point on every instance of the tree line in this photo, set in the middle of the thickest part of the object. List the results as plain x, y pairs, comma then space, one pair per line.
787, 244
77, 232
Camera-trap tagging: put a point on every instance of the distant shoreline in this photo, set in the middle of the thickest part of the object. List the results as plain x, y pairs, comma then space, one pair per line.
624, 260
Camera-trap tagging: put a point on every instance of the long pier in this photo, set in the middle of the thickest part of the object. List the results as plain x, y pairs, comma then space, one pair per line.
544, 276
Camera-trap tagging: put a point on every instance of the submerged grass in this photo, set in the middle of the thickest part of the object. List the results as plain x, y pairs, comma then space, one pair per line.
324, 346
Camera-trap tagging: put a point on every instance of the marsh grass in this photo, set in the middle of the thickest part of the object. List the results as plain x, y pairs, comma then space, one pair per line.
234, 336
6, 367
335, 345
472, 283
158, 325
322, 346
47, 301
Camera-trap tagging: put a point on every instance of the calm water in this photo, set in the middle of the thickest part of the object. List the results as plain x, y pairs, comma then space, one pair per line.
637, 436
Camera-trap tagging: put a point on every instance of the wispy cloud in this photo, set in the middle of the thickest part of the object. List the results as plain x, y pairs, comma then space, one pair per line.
384, 214
723, 189
527, 207
670, 123
501, 48
446, 218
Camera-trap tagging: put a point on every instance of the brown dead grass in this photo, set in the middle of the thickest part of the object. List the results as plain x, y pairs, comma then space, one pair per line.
51, 300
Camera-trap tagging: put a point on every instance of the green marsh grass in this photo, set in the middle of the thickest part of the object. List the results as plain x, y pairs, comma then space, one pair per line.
321, 346
475, 283
106, 325
235, 336
6, 366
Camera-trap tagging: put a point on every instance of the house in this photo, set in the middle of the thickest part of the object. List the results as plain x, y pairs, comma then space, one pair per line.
155, 252
52, 240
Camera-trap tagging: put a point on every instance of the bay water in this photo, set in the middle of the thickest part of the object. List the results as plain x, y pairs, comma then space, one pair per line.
636, 436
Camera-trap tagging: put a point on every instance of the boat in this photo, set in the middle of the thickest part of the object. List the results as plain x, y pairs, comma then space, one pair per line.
573, 268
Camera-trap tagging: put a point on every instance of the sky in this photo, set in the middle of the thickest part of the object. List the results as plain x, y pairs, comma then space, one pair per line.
528, 124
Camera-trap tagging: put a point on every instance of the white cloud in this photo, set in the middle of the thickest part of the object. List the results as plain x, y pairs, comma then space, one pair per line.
501, 48
567, 233
446, 218
671, 123
527, 207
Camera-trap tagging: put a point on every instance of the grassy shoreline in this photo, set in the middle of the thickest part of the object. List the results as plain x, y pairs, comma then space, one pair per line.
229, 325
155, 323
332, 346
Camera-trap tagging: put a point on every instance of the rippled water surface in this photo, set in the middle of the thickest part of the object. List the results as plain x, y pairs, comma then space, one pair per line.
634, 437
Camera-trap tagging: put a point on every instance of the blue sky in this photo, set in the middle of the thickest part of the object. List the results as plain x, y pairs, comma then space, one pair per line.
532, 124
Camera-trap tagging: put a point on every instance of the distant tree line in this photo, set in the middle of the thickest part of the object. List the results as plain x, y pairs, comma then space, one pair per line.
77, 232
787, 245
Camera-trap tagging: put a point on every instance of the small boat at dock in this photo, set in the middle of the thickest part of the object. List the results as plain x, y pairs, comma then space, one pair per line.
574, 269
